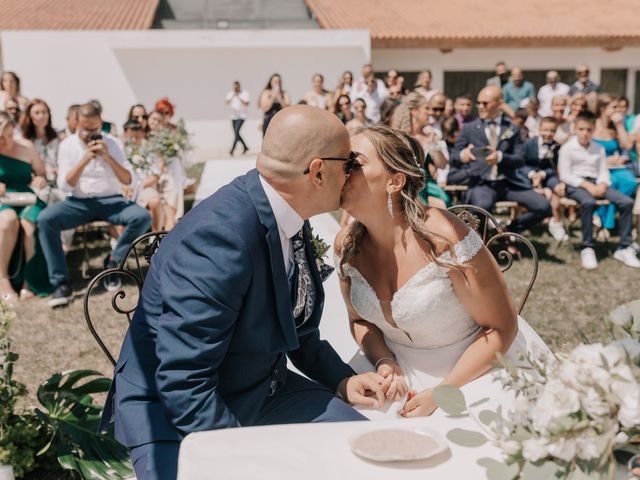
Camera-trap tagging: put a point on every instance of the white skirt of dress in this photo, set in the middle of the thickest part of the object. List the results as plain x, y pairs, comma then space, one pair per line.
426, 368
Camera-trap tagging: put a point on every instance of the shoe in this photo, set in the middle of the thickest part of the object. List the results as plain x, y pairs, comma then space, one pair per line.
588, 257
627, 256
636, 247
231, 152
62, 295
557, 231
245, 150
111, 282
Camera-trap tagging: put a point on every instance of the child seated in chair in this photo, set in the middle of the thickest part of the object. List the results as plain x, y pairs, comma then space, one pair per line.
541, 166
582, 166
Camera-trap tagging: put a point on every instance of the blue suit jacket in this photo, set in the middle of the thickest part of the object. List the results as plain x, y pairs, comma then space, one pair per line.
214, 324
534, 163
478, 171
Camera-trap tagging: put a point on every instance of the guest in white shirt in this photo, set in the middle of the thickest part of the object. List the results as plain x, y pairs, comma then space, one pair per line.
532, 123
318, 96
91, 168
437, 106
360, 87
372, 98
423, 85
582, 166
553, 87
238, 101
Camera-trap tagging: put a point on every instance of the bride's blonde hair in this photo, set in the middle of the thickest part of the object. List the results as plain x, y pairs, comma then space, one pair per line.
401, 153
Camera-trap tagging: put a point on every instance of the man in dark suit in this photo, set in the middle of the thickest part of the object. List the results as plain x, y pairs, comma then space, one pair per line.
489, 153
232, 292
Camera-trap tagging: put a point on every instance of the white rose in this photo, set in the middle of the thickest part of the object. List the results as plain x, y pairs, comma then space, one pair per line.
594, 404
629, 413
535, 449
511, 447
563, 448
590, 445
556, 401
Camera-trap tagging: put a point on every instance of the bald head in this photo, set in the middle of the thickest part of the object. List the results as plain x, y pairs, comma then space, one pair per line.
489, 100
296, 135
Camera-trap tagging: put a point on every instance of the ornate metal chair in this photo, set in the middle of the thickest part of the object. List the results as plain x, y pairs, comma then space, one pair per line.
492, 234
130, 275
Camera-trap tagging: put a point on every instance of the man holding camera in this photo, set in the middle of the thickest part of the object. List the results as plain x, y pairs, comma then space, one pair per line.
91, 169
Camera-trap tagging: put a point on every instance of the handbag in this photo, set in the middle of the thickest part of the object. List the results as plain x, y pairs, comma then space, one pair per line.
18, 199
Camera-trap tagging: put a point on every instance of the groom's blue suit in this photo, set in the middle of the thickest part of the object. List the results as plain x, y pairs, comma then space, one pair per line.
207, 346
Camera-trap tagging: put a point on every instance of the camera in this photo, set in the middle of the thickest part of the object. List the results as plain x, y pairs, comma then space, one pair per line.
94, 137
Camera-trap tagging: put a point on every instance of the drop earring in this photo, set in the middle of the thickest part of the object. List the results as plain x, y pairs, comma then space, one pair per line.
389, 204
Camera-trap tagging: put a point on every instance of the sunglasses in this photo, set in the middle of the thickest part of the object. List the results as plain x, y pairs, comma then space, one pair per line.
438, 109
344, 104
350, 163
144, 117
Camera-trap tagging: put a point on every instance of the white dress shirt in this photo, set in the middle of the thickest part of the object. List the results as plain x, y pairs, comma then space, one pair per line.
97, 179
238, 103
487, 131
288, 220
546, 94
577, 163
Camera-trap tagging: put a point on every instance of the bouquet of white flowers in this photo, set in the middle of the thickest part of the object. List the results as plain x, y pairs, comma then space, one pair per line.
171, 143
138, 156
569, 414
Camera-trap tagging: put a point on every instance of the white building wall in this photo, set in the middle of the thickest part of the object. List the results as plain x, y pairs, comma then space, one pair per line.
195, 69
413, 59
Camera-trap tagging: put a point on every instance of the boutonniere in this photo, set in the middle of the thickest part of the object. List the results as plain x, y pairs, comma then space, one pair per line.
507, 134
320, 249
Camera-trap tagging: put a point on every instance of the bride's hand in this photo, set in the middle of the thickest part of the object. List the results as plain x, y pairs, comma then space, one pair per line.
396, 385
420, 405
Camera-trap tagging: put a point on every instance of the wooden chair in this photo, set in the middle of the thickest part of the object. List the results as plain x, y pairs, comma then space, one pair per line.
570, 223
492, 232
131, 268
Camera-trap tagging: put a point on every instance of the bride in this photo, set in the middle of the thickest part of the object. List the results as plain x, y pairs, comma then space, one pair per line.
427, 302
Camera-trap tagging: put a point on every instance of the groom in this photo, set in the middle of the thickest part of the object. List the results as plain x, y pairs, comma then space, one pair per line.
231, 293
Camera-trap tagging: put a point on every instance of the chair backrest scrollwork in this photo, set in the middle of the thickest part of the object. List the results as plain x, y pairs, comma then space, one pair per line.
493, 233
132, 269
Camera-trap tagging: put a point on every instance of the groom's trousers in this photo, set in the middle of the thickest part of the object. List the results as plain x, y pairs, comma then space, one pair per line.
299, 400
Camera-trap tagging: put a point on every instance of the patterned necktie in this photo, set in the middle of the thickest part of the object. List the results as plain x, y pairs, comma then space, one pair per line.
493, 142
302, 290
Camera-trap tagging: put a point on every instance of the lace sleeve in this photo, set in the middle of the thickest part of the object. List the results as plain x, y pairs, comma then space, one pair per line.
467, 248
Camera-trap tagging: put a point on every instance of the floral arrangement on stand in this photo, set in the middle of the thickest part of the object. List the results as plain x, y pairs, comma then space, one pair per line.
570, 415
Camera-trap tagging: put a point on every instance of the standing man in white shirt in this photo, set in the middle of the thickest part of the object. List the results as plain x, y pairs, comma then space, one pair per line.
372, 98
582, 166
238, 101
554, 87
91, 168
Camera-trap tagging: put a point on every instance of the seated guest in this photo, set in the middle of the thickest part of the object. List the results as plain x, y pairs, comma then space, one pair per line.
552, 88
10, 88
36, 127
12, 107
502, 76
19, 161
448, 108
463, 106
72, 122
107, 127
138, 113
611, 134
437, 107
344, 86
372, 97
360, 118
318, 96
519, 120
583, 84
343, 109
489, 152
558, 109
623, 108
582, 166
541, 166
517, 89
91, 168
145, 191
533, 117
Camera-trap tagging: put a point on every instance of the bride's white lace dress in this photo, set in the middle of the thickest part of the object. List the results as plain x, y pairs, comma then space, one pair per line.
432, 328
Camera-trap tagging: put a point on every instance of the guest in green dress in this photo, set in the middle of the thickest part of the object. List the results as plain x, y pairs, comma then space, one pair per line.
22, 264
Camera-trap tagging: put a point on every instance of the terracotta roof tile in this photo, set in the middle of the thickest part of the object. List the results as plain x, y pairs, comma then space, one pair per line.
77, 14
485, 23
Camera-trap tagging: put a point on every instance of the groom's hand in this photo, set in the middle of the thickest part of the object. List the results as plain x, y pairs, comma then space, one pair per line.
365, 389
